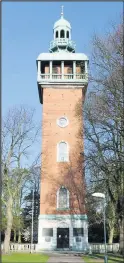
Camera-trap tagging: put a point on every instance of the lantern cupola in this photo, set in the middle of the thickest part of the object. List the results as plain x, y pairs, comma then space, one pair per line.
62, 36
61, 65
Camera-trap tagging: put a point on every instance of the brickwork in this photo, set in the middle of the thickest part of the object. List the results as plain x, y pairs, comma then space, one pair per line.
57, 103
78, 69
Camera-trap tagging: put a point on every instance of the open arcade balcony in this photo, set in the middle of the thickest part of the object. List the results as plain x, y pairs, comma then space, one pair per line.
62, 72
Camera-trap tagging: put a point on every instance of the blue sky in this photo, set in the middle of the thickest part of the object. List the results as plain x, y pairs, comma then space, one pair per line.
27, 29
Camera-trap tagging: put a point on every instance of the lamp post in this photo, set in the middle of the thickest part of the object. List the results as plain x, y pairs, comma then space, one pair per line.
100, 195
32, 219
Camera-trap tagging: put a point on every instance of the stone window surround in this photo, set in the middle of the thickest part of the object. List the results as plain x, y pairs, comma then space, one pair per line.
57, 198
67, 122
58, 160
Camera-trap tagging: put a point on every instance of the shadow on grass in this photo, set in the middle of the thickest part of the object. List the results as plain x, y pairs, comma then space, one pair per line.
111, 257
115, 255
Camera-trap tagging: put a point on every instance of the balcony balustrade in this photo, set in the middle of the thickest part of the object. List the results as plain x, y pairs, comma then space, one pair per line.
63, 42
64, 77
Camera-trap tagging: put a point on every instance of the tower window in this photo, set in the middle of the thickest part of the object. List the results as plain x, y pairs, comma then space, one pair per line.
67, 34
56, 34
62, 152
63, 198
62, 34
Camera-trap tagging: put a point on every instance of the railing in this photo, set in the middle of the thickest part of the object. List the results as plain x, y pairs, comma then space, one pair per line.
62, 41
45, 76
93, 248
21, 247
68, 76
56, 76
100, 248
63, 77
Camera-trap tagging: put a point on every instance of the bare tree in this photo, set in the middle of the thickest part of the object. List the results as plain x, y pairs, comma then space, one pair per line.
104, 115
19, 133
104, 123
33, 186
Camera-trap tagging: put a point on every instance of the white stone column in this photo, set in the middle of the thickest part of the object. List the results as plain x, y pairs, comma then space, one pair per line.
51, 65
62, 69
54, 34
55, 237
39, 67
86, 68
71, 242
39, 70
74, 69
58, 34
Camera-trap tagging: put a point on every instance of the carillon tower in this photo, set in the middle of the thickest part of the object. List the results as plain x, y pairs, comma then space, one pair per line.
62, 78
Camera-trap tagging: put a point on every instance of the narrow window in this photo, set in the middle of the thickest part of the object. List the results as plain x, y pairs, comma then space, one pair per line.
56, 34
63, 154
67, 34
63, 198
62, 34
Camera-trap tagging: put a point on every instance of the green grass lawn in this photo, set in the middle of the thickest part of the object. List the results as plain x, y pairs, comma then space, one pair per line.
99, 258
24, 258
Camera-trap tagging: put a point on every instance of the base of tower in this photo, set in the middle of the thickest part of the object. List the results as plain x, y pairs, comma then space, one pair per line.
63, 233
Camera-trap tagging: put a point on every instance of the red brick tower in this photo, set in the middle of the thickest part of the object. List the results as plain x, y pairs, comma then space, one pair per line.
62, 82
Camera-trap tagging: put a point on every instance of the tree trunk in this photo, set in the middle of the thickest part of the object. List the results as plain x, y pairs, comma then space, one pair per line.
14, 236
19, 236
111, 222
9, 217
122, 236
111, 234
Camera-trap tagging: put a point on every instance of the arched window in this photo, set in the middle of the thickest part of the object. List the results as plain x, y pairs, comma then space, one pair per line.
62, 152
56, 34
62, 198
67, 34
62, 34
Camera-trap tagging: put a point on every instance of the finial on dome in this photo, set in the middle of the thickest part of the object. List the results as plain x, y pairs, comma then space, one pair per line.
62, 14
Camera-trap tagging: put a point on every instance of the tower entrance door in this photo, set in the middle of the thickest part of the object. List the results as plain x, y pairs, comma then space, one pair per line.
62, 237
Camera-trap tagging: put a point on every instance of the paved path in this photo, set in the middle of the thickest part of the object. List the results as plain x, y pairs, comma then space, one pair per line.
65, 259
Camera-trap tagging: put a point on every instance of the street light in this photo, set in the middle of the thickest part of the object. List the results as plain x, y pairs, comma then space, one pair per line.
100, 195
32, 219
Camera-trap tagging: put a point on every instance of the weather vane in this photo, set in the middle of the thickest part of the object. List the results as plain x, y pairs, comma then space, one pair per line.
62, 11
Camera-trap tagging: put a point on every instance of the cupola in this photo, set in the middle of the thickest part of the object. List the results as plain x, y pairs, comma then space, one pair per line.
62, 36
